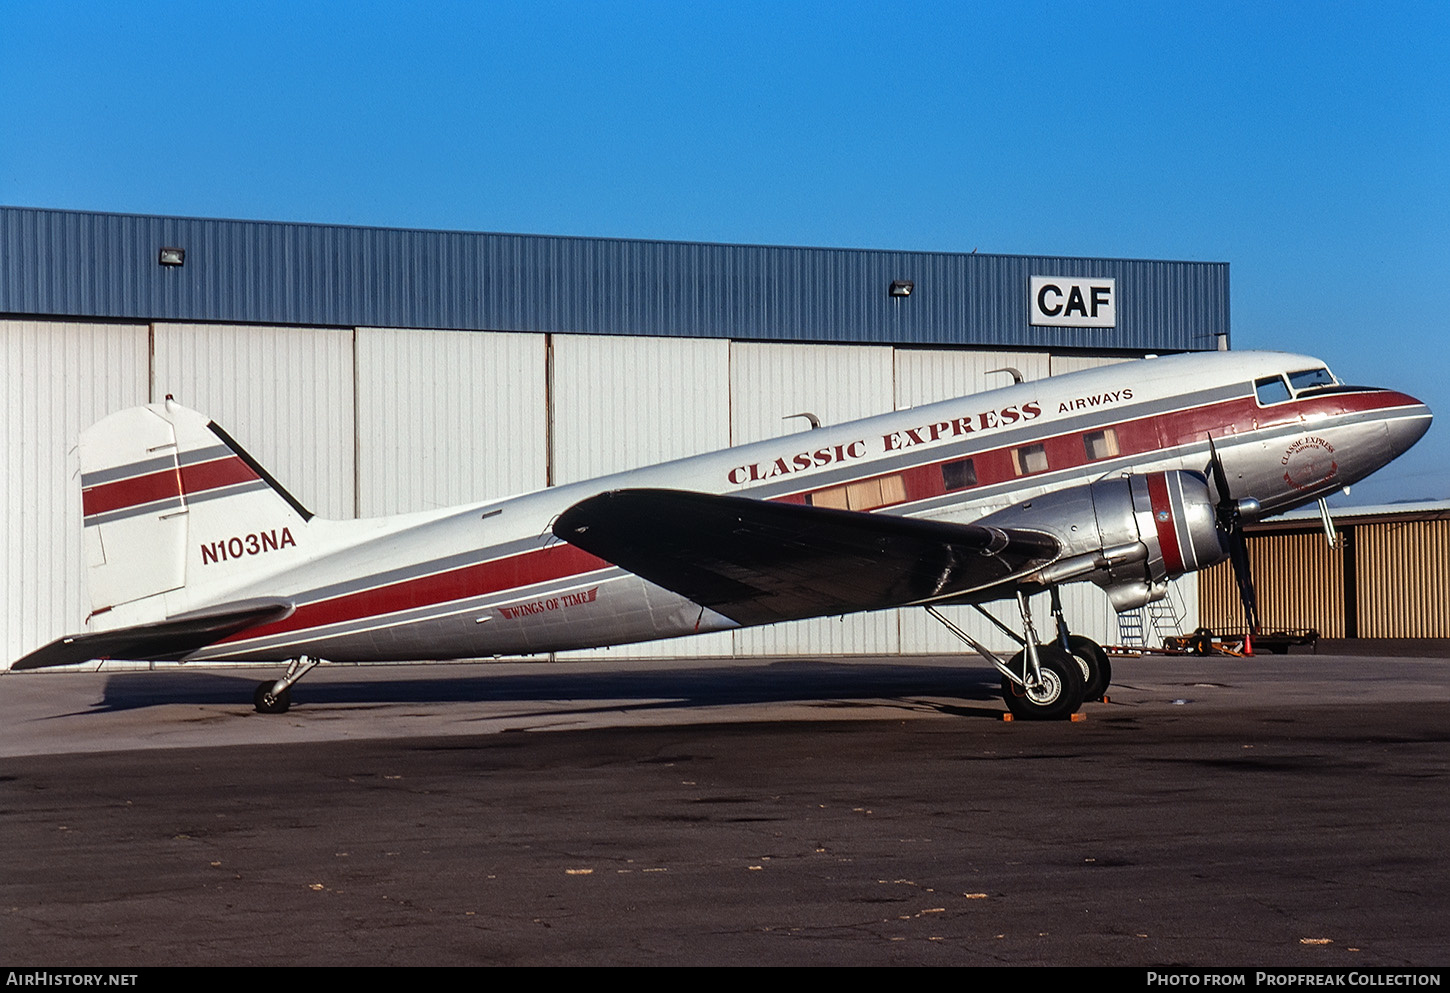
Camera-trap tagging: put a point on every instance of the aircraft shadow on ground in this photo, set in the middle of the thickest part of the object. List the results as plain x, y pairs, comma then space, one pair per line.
780, 682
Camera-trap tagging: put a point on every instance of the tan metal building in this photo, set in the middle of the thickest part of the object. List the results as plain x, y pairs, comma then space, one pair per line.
1389, 577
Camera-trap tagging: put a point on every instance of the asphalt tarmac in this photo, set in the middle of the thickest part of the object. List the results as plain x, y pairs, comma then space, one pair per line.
1285, 811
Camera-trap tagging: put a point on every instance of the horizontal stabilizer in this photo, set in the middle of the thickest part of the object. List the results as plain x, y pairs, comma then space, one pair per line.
168, 640
758, 562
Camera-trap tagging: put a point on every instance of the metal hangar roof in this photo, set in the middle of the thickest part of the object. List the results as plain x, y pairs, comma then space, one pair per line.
80, 264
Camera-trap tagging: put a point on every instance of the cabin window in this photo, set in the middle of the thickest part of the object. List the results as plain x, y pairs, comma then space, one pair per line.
1029, 459
868, 494
959, 475
1271, 390
1100, 444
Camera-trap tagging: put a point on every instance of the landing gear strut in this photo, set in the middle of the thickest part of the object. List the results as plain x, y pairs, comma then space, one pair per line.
1097, 671
1046, 681
275, 696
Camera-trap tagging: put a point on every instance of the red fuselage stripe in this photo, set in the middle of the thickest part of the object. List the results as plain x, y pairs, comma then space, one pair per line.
554, 562
1141, 436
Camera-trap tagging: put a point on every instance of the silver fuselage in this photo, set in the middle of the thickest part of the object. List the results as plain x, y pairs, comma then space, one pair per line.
491, 579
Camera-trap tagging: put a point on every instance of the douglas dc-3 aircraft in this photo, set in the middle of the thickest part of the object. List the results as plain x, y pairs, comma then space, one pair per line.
1126, 476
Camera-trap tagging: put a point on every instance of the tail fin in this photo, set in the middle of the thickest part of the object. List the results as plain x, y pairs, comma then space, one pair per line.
168, 497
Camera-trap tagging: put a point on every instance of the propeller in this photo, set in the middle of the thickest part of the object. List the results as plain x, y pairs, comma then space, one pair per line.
1230, 514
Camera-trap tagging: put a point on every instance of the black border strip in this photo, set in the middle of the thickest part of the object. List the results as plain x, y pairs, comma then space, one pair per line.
256, 467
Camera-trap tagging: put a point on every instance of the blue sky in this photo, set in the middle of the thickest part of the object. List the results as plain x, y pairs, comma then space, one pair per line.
1304, 143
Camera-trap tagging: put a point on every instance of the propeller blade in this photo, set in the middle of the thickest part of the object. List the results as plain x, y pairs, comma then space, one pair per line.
1220, 478
1230, 521
1238, 552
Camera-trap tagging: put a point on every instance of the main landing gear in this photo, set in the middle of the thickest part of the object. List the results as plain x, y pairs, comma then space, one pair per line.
1047, 681
275, 696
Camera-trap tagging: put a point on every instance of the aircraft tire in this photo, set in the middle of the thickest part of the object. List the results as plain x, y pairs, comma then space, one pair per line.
1060, 695
266, 703
1097, 670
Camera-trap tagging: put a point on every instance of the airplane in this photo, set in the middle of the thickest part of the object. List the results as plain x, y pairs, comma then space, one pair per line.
1126, 476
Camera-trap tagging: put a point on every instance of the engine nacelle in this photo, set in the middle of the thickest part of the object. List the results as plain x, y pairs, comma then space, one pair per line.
1129, 534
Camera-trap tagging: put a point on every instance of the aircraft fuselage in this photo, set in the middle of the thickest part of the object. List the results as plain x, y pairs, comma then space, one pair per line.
491, 578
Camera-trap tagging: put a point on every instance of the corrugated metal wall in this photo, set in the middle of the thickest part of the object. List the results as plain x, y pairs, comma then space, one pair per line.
1404, 579
448, 417
1391, 579
622, 403
79, 264
837, 384
1299, 580
286, 394
59, 379
378, 421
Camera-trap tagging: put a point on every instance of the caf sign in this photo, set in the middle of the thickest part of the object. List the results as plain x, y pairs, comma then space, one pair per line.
1073, 302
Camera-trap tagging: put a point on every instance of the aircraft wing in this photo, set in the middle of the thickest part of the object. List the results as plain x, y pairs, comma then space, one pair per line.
171, 639
758, 562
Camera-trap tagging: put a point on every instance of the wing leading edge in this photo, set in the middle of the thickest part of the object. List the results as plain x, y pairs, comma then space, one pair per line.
757, 562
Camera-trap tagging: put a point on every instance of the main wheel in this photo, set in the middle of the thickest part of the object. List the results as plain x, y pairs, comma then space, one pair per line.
268, 702
1060, 694
1097, 671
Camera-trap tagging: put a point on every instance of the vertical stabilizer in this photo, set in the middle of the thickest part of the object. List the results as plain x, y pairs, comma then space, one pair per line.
174, 509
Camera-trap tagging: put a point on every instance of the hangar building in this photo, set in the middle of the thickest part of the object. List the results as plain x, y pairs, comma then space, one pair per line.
376, 371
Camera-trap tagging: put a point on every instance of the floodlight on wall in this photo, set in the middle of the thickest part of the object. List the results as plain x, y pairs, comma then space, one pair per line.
901, 288
172, 256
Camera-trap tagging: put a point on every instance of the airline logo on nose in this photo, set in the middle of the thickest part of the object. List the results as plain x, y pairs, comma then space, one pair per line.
1309, 463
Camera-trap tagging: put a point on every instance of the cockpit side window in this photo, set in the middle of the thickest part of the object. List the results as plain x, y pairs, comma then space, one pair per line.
1308, 379
1271, 389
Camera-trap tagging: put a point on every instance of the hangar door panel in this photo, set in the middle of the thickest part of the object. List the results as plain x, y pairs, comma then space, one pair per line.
1064, 364
61, 378
284, 394
623, 402
448, 418
837, 383
930, 375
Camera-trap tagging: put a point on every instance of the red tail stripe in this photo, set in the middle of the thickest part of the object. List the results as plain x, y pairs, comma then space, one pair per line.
162, 485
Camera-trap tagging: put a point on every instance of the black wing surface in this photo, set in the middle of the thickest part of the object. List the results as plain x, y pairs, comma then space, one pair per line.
170, 639
758, 562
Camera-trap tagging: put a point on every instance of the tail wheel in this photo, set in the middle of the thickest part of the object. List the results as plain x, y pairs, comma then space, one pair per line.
268, 702
1058, 696
1097, 671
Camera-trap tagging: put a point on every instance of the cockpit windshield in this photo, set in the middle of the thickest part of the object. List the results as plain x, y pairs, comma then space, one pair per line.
1308, 379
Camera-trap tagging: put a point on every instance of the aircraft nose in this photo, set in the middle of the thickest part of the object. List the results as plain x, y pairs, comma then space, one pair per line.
1409, 420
